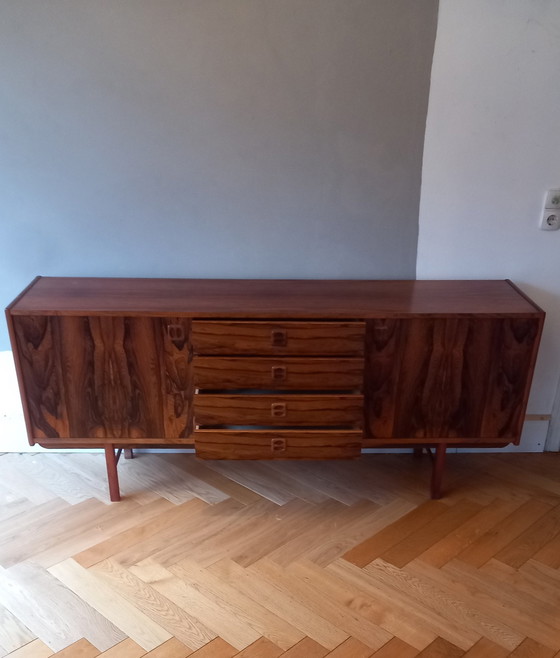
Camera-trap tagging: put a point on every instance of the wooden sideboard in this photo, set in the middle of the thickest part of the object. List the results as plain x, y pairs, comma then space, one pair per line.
273, 369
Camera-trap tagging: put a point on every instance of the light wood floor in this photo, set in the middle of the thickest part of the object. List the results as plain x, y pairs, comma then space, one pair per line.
258, 560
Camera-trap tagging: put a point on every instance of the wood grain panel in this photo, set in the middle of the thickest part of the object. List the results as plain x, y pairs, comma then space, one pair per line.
176, 365
38, 348
278, 374
271, 444
383, 364
311, 338
111, 365
286, 410
448, 377
510, 376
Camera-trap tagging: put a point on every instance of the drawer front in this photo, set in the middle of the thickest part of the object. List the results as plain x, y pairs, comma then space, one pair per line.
287, 444
290, 373
319, 338
279, 410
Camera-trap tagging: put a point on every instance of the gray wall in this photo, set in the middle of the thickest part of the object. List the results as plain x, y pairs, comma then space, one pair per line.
211, 138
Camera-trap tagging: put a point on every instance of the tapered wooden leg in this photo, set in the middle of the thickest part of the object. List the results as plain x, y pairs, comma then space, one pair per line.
437, 470
112, 475
128, 453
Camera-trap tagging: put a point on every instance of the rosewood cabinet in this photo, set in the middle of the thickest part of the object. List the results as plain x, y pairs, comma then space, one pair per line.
248, 369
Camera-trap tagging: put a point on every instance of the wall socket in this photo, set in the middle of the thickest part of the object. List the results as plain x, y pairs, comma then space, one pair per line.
550, 217
550, 220
552, 199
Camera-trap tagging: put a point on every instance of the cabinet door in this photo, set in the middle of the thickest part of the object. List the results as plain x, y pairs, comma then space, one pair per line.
448, 377
105, 377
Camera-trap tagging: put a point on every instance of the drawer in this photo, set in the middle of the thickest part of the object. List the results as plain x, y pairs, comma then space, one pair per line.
270, 444
279, 410
319, 338
290, 373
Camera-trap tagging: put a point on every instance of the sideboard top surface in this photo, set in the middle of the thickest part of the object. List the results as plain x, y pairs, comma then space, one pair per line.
269, 298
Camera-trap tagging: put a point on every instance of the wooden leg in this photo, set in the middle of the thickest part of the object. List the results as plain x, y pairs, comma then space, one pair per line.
112, 475
128, 453
437, 470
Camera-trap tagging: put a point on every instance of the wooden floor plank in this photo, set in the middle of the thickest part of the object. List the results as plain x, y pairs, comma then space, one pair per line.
373, 547
80, 649
457, 623
266, 623
262, 648
55, 530
83, 537
177, 621
352, 648
383, 605
198, 487
458, 540
307, 648
281, 601
16, 479
255, 559
485, 648
71, 616
441, 649
531, 649
173, 542
13, 634
35, 649
142, 530
259, 529
125, 649
549, 554
170, 649
366, 519
416, 543
312, 474
325, 519
308, 590
537, 535
528, 580
19, 598
396, 648
487, 620
255, 477
110, 604
213, 479
503, 533
62, 482
217, 648
217, 617
529, 617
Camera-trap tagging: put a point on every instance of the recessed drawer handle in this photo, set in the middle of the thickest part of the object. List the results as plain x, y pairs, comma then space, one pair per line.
279, 338
278, 445
176, 332
278, 373
278, 409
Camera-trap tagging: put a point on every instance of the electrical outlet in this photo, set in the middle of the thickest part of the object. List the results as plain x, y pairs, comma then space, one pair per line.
552, 199
550, 220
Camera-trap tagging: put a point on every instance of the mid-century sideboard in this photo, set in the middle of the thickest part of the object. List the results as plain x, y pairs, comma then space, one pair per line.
273, 369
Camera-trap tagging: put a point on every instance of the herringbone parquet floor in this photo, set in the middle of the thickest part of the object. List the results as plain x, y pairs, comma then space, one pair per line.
258, 560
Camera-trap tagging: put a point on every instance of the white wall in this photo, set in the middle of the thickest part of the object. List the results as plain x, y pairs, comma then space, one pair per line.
492, 148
